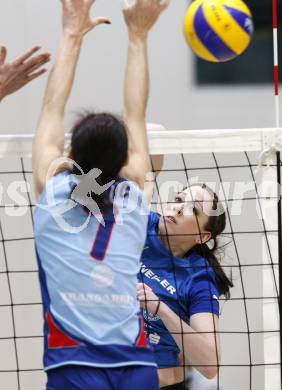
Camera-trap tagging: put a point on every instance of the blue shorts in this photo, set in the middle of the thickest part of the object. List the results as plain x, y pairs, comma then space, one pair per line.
92, 378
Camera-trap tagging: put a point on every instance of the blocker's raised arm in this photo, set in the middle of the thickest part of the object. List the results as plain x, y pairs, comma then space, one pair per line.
140, 18
49, 140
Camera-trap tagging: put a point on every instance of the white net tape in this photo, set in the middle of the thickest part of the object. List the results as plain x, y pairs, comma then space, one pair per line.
176, 141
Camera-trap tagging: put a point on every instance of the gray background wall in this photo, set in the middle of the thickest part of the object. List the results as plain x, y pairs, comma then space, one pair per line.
175, 100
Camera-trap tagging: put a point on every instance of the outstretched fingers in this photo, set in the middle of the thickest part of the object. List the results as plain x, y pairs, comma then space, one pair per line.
15, 75
141, 15
3, 54
21, 59
35, 75
77, 3
99, 20
164, 4
77, 19
36, 62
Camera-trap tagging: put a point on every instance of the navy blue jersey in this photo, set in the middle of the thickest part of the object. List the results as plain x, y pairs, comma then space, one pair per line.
187, 286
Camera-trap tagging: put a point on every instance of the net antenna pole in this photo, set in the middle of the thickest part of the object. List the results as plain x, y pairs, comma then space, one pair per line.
279, 220
278, 157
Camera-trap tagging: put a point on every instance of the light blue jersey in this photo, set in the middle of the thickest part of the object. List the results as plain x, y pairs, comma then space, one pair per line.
88, 276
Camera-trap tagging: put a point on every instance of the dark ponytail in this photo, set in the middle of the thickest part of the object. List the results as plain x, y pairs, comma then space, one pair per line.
100, 141
223, 282
215, 225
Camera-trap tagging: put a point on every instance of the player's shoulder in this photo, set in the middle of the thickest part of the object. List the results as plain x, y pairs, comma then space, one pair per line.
201, 278
60, 177
57, 186
199, 266
126, 194
125, 187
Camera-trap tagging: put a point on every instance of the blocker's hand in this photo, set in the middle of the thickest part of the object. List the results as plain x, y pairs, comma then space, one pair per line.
143, 14
148, 299
21, 71
76, 17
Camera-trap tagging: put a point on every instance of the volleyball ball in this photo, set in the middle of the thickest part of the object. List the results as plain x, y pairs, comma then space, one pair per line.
218, 30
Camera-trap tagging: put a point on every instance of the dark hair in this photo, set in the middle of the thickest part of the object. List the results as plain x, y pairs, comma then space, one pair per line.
215, 225
100, 141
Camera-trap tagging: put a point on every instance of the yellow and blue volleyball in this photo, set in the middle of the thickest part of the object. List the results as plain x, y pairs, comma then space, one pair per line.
218, 30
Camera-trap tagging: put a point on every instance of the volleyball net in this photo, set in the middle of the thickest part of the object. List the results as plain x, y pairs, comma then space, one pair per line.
248, 183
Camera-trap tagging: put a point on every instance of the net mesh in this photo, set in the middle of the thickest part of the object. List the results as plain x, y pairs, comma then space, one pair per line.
227, 161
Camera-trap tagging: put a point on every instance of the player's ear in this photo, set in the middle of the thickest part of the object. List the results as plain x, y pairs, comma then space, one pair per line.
205, 237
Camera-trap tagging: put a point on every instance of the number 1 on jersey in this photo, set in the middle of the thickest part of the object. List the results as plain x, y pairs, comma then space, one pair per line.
103, 236
102, 239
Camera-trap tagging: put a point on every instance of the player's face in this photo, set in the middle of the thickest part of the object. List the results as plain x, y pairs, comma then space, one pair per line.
186, 218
